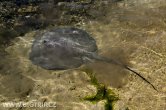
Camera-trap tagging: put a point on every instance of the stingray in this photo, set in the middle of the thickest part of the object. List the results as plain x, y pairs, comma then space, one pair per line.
68, 48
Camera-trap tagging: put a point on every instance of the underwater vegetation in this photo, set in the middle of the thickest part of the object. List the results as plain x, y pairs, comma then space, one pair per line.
103, 93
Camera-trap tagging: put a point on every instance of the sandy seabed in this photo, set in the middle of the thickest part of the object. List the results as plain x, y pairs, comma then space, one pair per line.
132, 31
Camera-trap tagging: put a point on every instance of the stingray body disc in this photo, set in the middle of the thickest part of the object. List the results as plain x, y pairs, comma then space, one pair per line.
62, 48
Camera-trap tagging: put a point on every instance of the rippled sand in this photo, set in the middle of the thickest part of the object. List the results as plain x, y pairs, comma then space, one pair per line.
136, 30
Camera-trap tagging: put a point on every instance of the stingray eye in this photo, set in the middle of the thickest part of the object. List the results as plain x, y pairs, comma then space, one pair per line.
44, 41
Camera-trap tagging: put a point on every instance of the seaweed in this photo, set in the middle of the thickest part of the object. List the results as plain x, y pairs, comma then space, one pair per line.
103, 93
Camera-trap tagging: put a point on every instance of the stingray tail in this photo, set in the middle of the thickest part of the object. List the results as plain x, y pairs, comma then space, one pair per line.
124, 66
128, 68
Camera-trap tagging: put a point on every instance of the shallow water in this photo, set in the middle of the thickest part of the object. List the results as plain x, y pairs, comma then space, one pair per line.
136, 30
130, 31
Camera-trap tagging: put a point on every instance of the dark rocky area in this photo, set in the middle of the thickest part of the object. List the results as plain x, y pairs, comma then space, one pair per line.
21, 16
